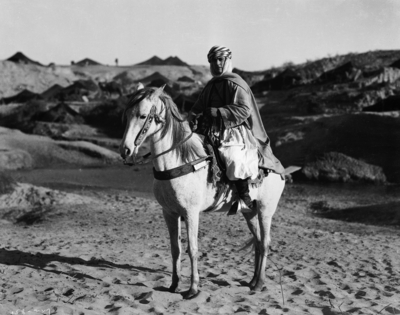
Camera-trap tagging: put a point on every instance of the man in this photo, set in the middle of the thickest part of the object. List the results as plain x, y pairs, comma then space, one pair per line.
243, 142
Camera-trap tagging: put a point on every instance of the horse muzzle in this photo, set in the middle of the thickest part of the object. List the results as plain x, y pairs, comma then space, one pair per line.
128, 156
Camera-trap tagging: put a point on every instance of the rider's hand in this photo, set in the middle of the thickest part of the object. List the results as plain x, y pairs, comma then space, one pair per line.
192, 121
190, 117
211, 111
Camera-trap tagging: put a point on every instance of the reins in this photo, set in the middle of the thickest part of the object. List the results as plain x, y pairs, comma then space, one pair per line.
174, 146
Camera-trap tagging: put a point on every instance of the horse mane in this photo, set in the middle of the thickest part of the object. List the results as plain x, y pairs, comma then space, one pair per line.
174, 124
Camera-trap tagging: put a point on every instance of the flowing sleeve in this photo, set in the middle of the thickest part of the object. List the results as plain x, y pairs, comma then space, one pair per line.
239, 110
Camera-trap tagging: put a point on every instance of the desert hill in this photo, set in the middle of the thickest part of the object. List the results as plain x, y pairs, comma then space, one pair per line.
310, 70
153, 61
87, 62
170, 61
20, 58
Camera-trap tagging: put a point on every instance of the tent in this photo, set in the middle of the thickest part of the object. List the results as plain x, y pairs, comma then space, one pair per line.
160, 83
60, 113
284, 80
22, 97
52, 93
185, 79
153, 77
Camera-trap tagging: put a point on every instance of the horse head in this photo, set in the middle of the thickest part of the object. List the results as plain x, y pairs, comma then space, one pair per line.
144, 117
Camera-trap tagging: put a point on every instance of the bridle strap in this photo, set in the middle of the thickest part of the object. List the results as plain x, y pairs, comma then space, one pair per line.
142, 133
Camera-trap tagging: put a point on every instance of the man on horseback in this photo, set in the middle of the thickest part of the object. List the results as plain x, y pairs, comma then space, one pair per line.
236, 126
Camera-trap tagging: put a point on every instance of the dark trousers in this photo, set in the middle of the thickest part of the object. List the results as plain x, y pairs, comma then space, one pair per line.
242, 187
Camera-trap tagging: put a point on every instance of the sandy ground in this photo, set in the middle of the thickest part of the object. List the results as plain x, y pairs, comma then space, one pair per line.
106, 251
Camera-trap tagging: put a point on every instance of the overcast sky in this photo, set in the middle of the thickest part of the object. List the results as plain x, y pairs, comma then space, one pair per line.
260, 33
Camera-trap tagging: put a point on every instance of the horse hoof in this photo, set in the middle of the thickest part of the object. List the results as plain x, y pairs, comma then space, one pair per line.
191, 295
256, 288
172, 289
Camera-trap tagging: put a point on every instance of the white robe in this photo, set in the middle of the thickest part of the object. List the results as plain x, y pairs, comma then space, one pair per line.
239, 152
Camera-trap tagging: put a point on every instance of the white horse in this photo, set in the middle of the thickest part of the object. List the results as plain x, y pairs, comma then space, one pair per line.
152, 114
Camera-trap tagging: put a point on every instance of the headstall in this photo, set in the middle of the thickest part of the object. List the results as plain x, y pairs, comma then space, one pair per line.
142, 133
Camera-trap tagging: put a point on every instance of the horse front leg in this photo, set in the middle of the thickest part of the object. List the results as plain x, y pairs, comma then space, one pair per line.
174, 228
252, 223
192, 226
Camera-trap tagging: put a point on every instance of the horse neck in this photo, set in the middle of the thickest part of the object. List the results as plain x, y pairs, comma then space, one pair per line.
170, 159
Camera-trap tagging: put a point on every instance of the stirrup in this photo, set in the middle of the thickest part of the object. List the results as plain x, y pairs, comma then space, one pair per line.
240, 206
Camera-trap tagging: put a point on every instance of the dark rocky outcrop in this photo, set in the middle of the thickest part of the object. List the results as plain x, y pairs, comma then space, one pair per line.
338, 167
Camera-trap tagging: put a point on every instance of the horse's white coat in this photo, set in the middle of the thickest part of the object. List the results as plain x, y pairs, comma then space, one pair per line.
191, 194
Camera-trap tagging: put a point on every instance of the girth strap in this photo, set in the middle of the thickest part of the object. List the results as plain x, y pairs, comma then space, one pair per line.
180, 170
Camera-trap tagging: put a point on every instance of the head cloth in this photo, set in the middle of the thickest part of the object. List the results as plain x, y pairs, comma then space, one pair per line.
219, 51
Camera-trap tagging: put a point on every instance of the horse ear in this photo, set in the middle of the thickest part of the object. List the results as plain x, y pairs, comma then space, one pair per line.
140, 86
159, 91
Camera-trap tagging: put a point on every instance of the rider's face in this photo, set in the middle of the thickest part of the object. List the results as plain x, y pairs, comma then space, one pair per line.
217, 64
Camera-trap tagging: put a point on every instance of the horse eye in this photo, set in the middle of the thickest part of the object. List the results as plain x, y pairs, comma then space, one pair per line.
143, 116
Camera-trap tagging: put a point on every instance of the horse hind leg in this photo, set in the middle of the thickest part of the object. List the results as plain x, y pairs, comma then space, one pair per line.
258, 280
267, 209
174, 228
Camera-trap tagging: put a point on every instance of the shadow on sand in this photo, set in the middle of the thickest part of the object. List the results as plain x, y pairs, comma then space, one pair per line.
41, 261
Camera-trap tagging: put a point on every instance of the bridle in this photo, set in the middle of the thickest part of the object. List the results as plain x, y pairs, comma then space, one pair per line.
146, 126
158, 119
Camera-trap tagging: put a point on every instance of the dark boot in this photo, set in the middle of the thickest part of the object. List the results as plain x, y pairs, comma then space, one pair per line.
242, 187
